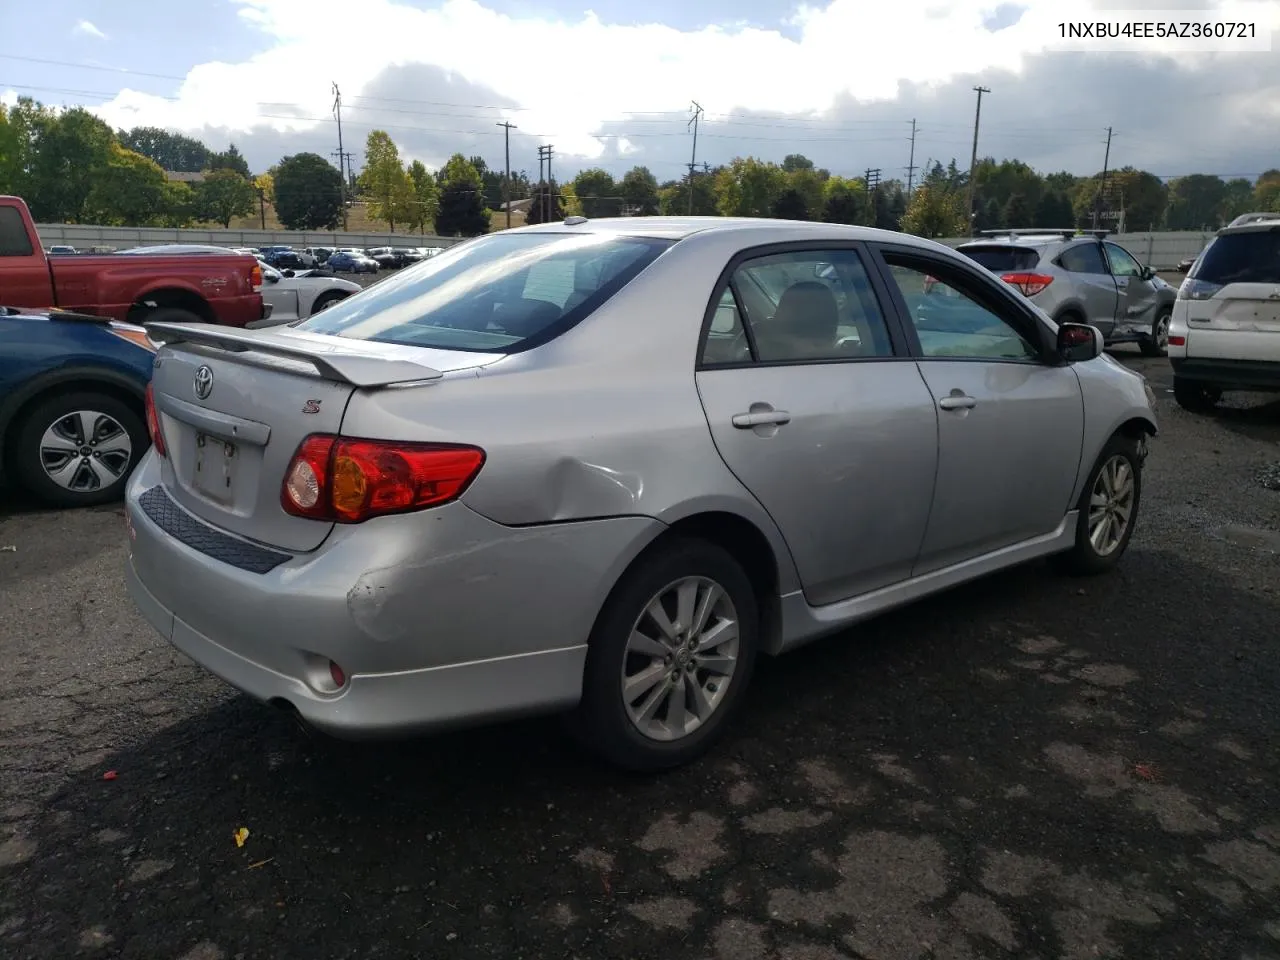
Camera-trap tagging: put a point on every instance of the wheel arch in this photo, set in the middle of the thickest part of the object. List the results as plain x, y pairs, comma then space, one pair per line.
179, 297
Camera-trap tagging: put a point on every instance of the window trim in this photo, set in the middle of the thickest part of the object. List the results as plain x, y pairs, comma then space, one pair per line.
1004, 303
898, 339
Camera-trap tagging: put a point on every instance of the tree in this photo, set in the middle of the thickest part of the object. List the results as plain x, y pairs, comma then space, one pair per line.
222, 195
308, 193
845, 202
172, 151
811, 185
987, 215
640, 191
748, 187
1141, 195
1266, 192
1054, 211
461, 212
673, 196
12, 151
790, 205
1017, 212
793, 162
890, 205
597, 192
69, 151
128, 191
1237, 198
230, 159
491, 183
265, 184
426, 198
547, 197
177, 205
936, 211
1195, 202
570, 202
386, 183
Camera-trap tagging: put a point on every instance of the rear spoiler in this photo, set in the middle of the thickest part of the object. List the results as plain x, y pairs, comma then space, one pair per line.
331, 362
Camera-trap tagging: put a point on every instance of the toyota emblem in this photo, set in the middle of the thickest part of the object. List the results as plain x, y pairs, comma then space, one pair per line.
203, 383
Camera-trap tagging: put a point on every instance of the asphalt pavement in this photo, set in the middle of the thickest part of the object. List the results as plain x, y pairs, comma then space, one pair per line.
1029, 766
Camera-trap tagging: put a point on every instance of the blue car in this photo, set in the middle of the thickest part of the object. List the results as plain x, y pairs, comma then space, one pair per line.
73, 421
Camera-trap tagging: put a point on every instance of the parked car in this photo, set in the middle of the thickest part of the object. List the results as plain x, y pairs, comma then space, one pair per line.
1082, 279
300, 295
61, 249
395, 258
1225, 333
290, 260
599, 466
72, 422
321, 254
351, 261
211, 288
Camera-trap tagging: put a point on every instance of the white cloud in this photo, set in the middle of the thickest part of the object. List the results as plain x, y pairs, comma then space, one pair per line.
572, 77
85, 28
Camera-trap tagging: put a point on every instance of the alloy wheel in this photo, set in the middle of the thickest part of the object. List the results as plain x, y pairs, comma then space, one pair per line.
680, 658
1111, 505
85, 451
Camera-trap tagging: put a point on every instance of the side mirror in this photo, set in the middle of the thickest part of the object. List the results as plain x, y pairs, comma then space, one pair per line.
1147, 273
270, 278
1078, 342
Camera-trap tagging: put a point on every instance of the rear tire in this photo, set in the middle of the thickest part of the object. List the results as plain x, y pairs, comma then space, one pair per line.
687, 682
1195, 396
48, 463
1157, 344
1113, 493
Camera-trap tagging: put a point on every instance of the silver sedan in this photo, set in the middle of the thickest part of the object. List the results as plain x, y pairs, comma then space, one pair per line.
599, 466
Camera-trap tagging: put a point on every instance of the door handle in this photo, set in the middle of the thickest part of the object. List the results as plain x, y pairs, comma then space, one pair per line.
745, 421
957, 403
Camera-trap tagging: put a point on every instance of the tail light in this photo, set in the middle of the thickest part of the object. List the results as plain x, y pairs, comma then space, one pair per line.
1197, 290
153, 422
348, 480
1029, 283
255, 274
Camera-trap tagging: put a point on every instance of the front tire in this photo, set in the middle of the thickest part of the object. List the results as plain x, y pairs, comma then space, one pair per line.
1157, 344
327, 300
1194, 396
78, 449
1108, 510
669, 659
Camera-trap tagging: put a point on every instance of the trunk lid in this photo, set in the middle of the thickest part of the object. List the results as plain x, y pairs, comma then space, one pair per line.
235, 404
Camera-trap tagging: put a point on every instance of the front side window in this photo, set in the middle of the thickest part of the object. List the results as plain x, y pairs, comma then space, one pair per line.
495, 293
949, 320
1122, 265
809, 305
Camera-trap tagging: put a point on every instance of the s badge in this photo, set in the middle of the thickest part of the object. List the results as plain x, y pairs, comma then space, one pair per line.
311, 406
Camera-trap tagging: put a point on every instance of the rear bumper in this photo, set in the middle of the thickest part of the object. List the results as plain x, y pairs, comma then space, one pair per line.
438, 619
240, 311
1229, 374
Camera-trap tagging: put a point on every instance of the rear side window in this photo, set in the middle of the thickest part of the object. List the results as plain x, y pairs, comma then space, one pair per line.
1084, 258
1003, 259
14, 241
1249, 257
497, 294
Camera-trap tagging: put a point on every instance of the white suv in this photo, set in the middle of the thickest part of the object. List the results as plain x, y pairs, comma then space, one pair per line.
1225, 330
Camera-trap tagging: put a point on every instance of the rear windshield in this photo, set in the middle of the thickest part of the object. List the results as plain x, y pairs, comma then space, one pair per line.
497, 294
1248, 257
1003, 259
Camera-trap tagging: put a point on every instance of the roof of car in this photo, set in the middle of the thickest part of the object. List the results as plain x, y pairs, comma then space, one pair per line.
1253, 222
676, 228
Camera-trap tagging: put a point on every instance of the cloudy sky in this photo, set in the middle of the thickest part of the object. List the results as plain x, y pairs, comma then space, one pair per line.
610, 82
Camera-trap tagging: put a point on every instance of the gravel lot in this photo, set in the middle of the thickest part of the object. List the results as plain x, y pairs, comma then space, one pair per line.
1028, 766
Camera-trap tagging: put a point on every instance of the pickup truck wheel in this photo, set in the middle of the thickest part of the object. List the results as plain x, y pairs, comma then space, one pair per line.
167, 315
78, 449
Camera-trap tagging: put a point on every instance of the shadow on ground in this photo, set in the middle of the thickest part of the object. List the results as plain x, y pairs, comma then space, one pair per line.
1028, 766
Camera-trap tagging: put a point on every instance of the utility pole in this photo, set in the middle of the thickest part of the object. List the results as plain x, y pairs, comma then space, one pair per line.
262, 206
1106, 160
872, 183
693, 159
548, 206
506, 184
973, 159
911, 162
337, 112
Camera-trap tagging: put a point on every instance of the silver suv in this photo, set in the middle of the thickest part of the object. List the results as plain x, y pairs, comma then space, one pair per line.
1082, 279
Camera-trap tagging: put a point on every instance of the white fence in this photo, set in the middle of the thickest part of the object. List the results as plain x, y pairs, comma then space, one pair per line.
1160, 250
83, 237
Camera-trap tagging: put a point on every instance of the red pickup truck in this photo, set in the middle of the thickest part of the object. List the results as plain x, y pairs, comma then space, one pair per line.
186, 288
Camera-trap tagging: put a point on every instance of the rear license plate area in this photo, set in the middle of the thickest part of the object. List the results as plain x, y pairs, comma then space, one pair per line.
215, 469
